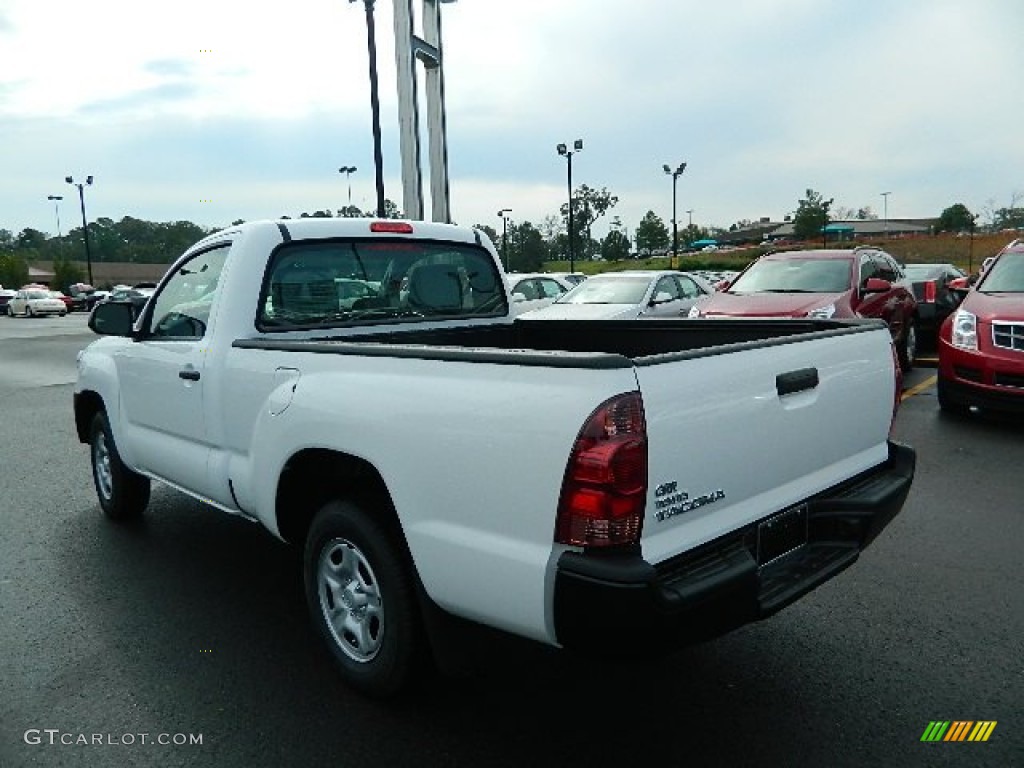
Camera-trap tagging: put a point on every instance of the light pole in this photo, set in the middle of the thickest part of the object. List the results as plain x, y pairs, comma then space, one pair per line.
56, 199
504, 235
378, 155
564, 151
85, 225
885, 213
348, 170
675, 229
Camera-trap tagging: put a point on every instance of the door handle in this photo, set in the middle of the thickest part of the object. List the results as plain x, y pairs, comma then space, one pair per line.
796, 381
188, 374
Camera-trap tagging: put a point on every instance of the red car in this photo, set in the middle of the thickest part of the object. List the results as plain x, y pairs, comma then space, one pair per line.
862, 282
981, 345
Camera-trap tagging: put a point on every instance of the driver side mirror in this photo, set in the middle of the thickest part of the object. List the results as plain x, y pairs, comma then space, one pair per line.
662, 297
113, 318
959, 287
518, 297
876, 285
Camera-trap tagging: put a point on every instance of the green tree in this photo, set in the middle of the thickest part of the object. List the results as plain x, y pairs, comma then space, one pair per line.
350, 212
65, 272
956, 218
811, 216
588, 205
492, 233
652, 234
1008, 218
615, 246
13, 270
526, 247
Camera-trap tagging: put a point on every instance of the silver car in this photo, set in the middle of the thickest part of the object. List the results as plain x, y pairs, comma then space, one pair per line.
632, 295
33, 303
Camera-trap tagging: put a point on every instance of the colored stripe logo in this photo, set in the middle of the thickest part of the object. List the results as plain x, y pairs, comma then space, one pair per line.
959, 730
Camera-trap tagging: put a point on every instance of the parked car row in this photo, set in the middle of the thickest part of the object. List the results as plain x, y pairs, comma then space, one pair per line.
35, 300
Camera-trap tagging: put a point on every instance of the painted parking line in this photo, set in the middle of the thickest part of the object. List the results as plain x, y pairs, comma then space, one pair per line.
926, 384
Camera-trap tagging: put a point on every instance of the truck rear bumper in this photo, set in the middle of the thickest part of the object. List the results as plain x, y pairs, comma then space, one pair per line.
609, 602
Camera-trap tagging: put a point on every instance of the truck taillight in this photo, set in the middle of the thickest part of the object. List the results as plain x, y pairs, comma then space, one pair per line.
898, 396
929, 292
605, 487
397, 227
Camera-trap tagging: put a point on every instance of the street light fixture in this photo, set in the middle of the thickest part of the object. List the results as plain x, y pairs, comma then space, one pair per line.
348, 170
56, 199
885, 214
675, 229
378, 155
85, 226
564, 151
504, 235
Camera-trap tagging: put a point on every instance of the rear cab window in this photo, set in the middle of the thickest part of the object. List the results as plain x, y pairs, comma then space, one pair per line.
331, 283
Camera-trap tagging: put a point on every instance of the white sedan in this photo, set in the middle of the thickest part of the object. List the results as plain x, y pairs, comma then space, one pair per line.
33, 303
633, 295
536, 289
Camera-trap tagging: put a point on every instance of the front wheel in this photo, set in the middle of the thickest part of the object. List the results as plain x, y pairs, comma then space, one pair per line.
361, 597
948, 405
123, 494
907, 349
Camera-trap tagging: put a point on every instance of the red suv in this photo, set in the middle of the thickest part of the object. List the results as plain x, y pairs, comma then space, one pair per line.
981, 345
862, 282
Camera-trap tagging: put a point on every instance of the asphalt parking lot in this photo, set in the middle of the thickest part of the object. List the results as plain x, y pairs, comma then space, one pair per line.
192, 623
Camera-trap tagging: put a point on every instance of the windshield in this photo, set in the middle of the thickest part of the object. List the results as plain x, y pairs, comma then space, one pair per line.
919, 272
611, 290
1005, 276
38, 295
331, 283
795, 276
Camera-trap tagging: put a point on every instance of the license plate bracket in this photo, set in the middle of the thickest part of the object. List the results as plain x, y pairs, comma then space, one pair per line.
781, 534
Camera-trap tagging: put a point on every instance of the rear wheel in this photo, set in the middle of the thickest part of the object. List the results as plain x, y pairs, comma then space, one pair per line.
361, 597
123, 494
907, 350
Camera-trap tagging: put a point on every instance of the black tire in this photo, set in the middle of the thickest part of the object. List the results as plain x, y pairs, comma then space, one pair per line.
123, 494
949, 406
361, 596
907, 348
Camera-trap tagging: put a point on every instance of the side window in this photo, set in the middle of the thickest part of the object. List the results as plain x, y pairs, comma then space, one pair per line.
549, 289
666, 288
688, 288
527, 289
182, 308
886, 269
868, 268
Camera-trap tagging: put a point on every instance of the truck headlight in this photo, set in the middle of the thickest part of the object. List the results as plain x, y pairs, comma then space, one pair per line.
823, 313
965, 330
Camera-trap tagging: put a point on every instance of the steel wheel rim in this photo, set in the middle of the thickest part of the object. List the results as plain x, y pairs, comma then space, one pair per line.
101, 466
350, 600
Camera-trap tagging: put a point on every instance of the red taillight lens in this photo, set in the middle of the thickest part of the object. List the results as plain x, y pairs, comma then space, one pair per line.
929, 292
898, 397
605, 487
399, 227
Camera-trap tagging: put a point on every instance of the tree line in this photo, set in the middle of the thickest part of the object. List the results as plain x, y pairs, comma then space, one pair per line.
522, 245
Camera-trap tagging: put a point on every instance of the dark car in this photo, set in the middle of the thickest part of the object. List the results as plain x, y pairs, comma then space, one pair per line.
981, 345
5, 296
862, 282
935, 299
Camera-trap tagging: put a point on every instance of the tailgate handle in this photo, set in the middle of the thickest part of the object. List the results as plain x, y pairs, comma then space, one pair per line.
796, 381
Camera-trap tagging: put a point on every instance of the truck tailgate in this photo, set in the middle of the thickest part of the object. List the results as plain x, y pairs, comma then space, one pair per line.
735, 436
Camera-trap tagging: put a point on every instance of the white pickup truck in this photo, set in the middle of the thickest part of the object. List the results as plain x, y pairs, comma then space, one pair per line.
359, 387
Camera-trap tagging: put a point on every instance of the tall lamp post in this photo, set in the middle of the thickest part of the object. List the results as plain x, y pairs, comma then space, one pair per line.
675, 228
56, 210
348, 170
567, 153
885, 213
378, 155
85, 226
504, 235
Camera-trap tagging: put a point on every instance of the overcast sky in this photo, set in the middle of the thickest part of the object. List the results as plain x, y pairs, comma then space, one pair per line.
215, 110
